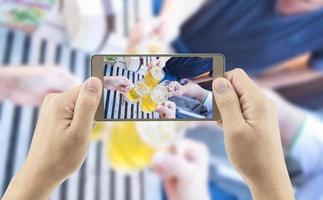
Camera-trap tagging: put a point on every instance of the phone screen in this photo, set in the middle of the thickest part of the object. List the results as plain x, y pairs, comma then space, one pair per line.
157, 87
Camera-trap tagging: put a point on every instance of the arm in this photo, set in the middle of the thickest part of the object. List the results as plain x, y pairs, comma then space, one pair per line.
119, 83
252, 136
29, 85
190, 89
60, 142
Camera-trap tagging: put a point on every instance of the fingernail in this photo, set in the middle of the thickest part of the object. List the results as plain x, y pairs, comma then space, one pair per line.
92, 85
221, 86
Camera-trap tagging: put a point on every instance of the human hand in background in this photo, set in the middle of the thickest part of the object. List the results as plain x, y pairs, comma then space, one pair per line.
29, 85
60, 142
119, 83
167, 110
184, 170
176, 89
252, 137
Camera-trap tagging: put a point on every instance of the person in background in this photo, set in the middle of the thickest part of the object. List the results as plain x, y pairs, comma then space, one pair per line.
254, 134
257, 36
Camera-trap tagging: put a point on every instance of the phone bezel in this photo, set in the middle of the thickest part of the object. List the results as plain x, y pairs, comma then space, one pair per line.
97, 61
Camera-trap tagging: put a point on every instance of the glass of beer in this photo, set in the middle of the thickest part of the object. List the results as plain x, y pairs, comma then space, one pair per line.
136, 91
157, 96
162, 134
98, 131
125, 150
154, 76
130, 146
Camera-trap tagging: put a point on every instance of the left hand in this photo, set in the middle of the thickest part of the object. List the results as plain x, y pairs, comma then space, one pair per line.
167, 110
184, 170
119, 83
60, 142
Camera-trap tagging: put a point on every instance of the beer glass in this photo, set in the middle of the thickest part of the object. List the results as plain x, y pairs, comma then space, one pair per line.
130, 146
136, 91
98, 131
125, 150
157, 96
153, 76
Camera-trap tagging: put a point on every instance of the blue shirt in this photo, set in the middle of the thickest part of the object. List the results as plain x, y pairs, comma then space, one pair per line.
251, 34
187, 67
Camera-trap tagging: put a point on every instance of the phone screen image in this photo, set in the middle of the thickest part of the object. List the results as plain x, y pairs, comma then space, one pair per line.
157, 87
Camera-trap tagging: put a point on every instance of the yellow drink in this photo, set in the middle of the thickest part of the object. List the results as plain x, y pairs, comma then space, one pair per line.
153, 76
98, 131
135, 92
125, 150
149, 102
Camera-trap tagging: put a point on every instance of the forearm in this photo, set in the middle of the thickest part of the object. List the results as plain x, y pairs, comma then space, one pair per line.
272, 186
29, 184
195, 91
7, 80
283, 193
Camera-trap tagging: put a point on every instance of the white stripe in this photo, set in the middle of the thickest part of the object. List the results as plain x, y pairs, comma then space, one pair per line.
119, 186
104, 185
135, 189
152, 186
90, 173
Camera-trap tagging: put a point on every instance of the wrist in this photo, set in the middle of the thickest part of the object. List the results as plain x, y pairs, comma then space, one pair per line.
29, 183
41, 187
272, 187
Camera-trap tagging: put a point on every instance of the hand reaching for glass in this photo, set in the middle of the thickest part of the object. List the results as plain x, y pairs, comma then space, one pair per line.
167, 110
29, 85
184, 170
119, 83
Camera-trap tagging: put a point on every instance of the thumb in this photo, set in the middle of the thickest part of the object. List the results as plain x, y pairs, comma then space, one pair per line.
228, 102
86, 105
170, 166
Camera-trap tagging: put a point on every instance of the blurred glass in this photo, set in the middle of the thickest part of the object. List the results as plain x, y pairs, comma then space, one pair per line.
98, 131
131, 145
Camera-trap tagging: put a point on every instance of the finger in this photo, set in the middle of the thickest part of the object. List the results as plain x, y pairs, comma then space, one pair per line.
169, 166
242, 83
161, 109
86, 105
228, 102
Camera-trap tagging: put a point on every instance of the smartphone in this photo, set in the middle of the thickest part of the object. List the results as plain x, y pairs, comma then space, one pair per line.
157, 86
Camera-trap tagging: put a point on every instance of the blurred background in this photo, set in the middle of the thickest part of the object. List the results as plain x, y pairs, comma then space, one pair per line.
45, 46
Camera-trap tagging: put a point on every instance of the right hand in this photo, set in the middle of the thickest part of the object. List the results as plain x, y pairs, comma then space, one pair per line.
184, 170
30, 85
167, 110
252, 137
176, 89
